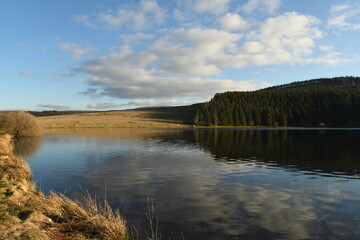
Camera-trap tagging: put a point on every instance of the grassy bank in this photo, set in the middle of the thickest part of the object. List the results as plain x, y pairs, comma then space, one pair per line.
26, 213
162, 117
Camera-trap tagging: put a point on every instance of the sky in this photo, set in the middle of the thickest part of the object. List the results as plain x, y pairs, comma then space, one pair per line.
112, 54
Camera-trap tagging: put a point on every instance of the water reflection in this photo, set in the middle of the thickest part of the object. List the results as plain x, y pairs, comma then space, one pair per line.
27, 146
334, 152
197, 192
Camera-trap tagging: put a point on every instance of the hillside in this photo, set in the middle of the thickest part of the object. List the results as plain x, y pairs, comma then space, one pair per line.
331, 102
348, 82
154, 117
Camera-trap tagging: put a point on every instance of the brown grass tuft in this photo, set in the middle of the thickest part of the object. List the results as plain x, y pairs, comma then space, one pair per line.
6, 147
93, 219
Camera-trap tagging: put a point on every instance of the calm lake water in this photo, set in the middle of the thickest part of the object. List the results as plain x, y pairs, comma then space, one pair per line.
211, 184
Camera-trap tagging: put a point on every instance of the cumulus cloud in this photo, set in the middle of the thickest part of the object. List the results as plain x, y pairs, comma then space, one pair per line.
269, 6
211, 6
76, 50
233, 22
91, 92
104, 105
188, 62
157, 103
326, 48
179, 15
84, 20
147, 14
332, 59
139, 103
345, 16
137, 81
138, 37
190, 51
284, 39
54, 106
137, 75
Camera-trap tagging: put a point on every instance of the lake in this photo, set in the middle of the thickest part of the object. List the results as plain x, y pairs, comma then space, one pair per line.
211, 184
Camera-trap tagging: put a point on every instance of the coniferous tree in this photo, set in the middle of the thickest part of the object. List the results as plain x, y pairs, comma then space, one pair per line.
236, 117
242, 118
332, 102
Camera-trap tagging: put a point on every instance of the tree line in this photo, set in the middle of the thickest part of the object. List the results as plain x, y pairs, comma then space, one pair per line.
316, 105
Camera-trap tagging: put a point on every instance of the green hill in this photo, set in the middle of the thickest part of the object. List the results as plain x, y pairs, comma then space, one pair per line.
333, 102
337, 82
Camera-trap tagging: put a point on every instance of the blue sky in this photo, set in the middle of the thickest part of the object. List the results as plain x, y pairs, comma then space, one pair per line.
107, 54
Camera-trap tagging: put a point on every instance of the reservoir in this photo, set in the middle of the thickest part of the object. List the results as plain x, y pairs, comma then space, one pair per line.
210, 183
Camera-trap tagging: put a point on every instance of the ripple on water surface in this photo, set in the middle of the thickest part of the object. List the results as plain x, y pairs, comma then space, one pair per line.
212, 184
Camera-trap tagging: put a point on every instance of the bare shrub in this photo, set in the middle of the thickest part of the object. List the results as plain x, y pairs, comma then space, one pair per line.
19, 124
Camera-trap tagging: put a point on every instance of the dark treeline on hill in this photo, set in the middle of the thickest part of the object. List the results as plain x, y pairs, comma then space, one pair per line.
331, 102
55, 113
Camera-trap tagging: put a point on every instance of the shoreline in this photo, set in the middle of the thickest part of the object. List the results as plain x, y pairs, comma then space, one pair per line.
26, 213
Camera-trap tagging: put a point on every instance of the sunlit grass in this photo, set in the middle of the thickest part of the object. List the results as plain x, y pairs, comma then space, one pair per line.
116, 119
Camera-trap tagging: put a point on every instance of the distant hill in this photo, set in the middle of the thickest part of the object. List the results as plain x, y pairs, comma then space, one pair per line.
348, 82
183, 114
56, 113
332, 102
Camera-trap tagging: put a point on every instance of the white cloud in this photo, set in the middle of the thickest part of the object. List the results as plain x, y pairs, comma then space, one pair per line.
338, 8
104, 106
148, 14
179, 15
136, 78
138, 37
332, 59
190, 51
211, 6
233, 22
153, 103
184, 61
283, 39
76, 50
326, 48
54, 106
265, 85
139, 103
91, 92
84, 20
269, 6
345, 17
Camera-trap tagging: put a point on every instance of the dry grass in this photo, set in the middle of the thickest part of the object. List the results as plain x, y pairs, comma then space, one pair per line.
92, 219
28, 214
5, 145
116, 119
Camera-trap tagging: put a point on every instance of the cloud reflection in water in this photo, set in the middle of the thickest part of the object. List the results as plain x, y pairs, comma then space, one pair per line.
216, 184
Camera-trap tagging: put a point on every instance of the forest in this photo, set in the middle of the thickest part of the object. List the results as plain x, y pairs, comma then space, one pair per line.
326, 102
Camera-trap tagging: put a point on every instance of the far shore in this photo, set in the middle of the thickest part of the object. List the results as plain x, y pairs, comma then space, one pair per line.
146, 119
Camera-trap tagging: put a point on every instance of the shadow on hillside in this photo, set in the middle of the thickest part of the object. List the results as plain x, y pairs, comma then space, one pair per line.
179, 115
